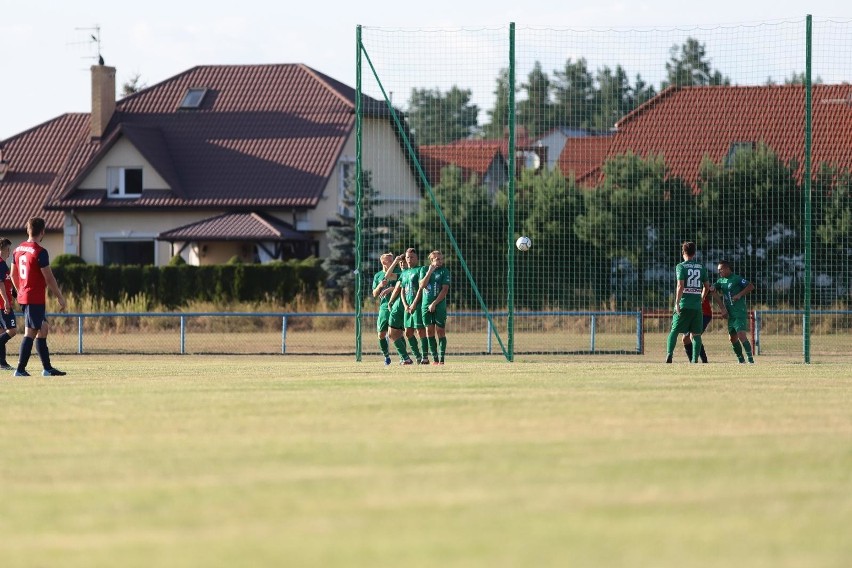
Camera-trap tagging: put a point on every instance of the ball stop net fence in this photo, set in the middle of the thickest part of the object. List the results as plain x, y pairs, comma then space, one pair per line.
608, 149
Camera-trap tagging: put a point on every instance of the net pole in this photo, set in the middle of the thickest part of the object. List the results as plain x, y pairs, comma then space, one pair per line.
510, 293
358, 193
806, 323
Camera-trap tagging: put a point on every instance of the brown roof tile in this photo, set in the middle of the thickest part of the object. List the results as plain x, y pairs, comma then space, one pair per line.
252, 226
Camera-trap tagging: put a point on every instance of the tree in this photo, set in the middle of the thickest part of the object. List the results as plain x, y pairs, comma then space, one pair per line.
376, 233
499, 115
615, 97
831, 192
441, 118
637, 219
755, 203
133, 85
689, 66
575, 94
535, 112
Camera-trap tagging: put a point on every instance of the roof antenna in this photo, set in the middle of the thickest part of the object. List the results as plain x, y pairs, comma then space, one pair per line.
94, 38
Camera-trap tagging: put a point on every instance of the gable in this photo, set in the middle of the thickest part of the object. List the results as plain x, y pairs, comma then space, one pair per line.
122, 154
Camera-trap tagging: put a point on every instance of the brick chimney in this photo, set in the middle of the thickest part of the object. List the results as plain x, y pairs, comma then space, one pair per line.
103, 98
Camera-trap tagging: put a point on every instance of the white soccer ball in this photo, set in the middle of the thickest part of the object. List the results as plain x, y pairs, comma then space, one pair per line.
523, 244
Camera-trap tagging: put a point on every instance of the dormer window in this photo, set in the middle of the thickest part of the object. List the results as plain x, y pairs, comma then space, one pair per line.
124, 182
193, 98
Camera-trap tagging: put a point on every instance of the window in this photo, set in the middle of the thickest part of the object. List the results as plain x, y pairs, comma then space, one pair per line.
346, 187
193, 98
139, 252
736, 148
124, 182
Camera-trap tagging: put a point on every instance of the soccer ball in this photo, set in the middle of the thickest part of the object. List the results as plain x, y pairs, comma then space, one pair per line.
523, 244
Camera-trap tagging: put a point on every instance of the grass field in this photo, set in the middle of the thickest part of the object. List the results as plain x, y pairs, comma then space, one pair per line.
275, 461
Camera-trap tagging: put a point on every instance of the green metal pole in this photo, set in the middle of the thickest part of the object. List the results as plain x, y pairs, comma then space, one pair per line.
806, 324
510, 297
358, 194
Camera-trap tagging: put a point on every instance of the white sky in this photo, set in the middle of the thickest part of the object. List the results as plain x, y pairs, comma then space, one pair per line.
44, 69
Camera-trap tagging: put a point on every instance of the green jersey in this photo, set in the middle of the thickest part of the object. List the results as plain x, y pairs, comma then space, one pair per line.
410, 282
440, 278
694, 276
730, 287
377, 279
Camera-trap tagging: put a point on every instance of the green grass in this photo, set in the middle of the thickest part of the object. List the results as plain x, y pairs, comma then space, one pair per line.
274, 461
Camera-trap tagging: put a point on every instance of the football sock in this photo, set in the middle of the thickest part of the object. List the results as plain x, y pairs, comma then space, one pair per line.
670, 342
703, 355
43, 352
442, 347
696, 348
400, 348
412, 342
26, 350
688, 348
383, 345
738, 350
433, 347
424, 346
4, 339
747, 347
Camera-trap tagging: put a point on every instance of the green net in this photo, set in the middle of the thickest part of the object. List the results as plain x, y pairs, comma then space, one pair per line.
608, 149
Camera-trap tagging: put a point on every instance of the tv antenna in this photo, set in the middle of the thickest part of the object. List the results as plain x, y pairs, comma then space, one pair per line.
94, 38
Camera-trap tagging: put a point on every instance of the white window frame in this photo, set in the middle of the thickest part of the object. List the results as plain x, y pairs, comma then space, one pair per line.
123, 236
343, 164
116, 182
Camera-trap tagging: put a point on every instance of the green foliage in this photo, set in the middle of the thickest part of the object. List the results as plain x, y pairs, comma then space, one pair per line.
689, 66
65, 259
172, 287
176, 260
441, 118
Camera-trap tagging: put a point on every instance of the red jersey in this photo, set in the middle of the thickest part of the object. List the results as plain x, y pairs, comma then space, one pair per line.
706, 308
29, 259
7, 282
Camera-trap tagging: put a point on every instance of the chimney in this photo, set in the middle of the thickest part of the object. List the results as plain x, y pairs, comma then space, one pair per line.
103, 98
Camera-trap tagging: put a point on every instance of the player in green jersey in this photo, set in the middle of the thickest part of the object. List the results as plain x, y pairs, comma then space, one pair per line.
396, 318
383, 282
435, 285
731, 288
415, 330
692, 287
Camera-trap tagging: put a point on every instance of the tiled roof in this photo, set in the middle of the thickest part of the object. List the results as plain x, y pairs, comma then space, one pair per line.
471, 156
264, 136
686, 124
582, 154
236, 227
35, 157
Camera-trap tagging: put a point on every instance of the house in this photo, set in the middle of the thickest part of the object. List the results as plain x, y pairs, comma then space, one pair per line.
687, 124
555, 141
484, 159
218, 161
583, 154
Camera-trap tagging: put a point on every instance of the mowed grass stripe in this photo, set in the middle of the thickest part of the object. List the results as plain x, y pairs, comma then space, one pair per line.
272, 461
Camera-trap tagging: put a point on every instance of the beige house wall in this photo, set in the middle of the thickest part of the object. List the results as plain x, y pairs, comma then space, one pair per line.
123, 155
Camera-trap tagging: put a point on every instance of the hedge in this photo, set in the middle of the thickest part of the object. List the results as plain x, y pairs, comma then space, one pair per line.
175, 286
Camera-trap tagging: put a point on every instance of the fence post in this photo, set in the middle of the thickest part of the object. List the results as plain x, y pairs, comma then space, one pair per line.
640, 333
757, 332
283, 335
183, 335
488, 332
593, 330
79, 335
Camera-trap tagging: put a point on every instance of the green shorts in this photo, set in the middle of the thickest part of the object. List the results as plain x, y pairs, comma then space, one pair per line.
438, 317
396, 318
383, 320
415, 320
737, 323
688, 321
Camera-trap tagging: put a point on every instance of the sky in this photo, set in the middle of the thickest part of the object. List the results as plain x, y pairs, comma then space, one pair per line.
47, 49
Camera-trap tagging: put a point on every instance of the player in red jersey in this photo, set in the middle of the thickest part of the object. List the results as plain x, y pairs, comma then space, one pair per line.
7, 310
31, 275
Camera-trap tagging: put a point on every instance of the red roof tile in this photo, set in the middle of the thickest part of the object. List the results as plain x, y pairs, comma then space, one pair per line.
471, 156
582, 154
686, 124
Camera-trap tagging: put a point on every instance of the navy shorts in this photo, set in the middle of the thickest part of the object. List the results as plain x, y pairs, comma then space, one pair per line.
8, 320
34, 315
